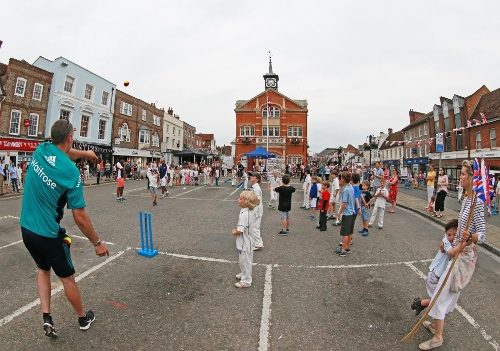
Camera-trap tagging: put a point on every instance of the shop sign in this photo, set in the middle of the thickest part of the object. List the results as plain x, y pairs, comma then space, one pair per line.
12, 144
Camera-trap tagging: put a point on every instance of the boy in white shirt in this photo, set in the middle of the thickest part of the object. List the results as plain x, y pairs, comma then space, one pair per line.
154, 179
255, 179
274, 182
245, 180
380, 197
306, 187
334, 198
248, 201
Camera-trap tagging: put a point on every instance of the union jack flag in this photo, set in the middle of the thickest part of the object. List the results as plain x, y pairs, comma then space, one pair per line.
483, 118
481, 182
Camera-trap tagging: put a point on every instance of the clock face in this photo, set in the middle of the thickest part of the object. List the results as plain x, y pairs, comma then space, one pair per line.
271, 82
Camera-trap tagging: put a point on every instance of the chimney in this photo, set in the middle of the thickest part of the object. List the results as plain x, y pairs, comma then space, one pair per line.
170, 111
412, 116
389, 131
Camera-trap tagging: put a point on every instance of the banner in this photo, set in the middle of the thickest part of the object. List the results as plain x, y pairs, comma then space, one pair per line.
12, 144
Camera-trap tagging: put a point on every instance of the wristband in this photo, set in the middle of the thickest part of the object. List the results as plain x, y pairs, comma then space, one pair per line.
98, 242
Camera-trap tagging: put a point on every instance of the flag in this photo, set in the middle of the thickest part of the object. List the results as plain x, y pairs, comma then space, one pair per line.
481, 184
469, 123
483, 118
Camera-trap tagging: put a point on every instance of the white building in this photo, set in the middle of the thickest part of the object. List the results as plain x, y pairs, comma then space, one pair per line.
173, 135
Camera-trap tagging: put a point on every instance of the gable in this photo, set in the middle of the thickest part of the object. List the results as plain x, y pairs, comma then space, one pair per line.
275, 98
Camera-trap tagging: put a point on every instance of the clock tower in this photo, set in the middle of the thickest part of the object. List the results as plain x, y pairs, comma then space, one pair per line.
271, 78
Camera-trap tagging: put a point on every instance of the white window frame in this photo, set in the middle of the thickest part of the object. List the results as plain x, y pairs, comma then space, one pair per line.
72, 84
493, 138
275, 111
40, 86
126, 108
19, 115
87, 85
478, 140
155, 140
125, 133
275, 131
86, 136
69, 115
24, 82
34, 117
144, 115
425, 129
146, 138
104, 93
294, 131
156, 120
99, 129
247, 130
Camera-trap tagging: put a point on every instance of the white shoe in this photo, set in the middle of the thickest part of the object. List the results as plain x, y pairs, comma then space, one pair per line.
238, 276
258, 248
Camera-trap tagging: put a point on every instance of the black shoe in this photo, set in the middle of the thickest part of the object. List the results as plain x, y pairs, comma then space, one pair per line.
417, 306
318, 227
343, 254
282, 233
87, 320
48, 327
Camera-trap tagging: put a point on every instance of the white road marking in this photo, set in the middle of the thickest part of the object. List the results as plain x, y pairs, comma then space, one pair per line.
14, 243
85, 238
198, 188
9, 216
341, 266
266, 310
464, 313
58, 289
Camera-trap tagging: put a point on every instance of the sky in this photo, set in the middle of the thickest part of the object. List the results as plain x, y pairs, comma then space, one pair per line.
362, 65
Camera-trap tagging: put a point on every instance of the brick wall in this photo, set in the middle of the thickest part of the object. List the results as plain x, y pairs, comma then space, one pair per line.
26, 104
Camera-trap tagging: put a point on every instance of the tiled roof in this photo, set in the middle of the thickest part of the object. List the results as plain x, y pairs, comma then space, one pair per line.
489, 104
419, 121
397, 136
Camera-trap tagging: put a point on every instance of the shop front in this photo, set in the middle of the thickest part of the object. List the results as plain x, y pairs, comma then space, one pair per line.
142, 157
391, 164
417, 164
103, 152
16, 150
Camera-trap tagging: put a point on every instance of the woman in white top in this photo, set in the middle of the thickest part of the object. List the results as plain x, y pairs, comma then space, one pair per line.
442, 191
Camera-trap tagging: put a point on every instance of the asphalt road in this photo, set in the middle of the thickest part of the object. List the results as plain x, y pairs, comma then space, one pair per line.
303, 297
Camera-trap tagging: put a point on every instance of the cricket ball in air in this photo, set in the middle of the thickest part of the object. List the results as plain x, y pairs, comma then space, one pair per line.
67, 240
126, 83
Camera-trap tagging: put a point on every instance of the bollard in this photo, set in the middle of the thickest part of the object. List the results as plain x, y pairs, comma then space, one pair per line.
146, 232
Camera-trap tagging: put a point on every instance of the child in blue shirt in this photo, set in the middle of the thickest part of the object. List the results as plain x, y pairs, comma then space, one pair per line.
346, 213
313, 194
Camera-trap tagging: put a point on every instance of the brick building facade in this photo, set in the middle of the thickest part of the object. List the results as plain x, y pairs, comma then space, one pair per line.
189, 136
273, 119
137, 129
24, 96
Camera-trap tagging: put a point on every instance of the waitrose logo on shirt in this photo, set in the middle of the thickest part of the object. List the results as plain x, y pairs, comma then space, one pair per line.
39, 171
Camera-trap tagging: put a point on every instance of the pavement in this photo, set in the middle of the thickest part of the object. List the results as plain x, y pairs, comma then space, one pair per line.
303, 297
412, 200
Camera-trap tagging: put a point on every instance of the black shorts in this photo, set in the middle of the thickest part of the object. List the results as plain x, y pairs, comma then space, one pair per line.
49, 253
347, 225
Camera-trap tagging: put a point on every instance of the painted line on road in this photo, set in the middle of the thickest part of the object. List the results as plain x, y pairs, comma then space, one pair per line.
12, 244
341, 266
9, 216
235, 190
198, 188
266, 310
85, 238
464, 313
54, 291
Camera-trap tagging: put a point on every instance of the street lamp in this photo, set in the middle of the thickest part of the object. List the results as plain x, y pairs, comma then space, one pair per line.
371, 138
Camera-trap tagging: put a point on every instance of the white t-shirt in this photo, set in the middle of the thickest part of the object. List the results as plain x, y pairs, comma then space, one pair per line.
380, 201
260, 208
335, 189
119, 168
245, 222
307, 183
153, 178
440, 262
498, 188
274, 182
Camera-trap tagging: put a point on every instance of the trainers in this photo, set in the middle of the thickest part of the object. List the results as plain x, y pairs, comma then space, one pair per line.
362, 231
337, 223
343, 254
258, 248
48, 327
238, 276
282, 233
86, 320
428, 325
338, 250
365, 233
417, 306
380, 227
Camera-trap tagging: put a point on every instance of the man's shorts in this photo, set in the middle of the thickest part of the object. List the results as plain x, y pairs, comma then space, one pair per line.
49, 253
365, 214
347, 225
284, 214
120, 182
153, 190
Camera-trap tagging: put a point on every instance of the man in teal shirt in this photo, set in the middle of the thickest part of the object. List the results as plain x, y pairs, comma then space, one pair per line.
52, 182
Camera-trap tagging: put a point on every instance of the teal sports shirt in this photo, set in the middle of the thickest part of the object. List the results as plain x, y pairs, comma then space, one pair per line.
52, 182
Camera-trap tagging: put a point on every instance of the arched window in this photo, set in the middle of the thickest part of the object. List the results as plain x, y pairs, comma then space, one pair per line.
125, 133
274, 111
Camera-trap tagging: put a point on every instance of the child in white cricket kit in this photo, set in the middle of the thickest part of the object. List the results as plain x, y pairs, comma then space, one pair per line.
244, 242
380, 198
258, 211
274, 182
